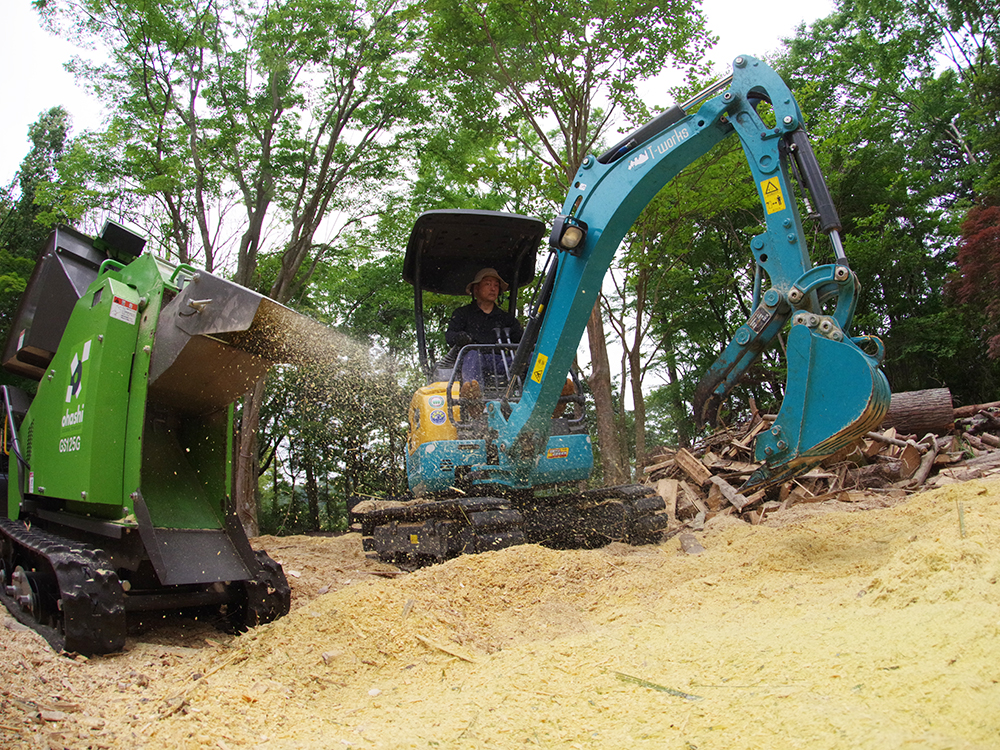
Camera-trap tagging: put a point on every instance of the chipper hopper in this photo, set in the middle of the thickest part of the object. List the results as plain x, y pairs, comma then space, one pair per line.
119, 470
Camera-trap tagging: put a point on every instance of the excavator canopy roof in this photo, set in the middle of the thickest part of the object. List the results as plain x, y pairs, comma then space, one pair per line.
448, 247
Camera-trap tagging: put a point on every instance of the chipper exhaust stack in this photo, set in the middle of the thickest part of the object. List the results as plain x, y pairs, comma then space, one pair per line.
119, 470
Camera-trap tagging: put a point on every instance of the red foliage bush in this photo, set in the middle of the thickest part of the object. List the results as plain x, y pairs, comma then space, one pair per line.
979, 265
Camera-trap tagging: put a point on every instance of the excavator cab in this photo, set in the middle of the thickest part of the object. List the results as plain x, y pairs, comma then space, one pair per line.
445, 251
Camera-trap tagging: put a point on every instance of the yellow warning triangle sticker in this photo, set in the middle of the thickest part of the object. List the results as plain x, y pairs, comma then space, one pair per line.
774, 199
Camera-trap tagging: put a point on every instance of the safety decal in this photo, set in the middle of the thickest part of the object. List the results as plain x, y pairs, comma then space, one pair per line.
539, 369
774, 199
435, 401
124, 310
557, 452
438, 416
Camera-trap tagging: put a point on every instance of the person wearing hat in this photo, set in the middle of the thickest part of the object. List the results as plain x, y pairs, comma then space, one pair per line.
477, 323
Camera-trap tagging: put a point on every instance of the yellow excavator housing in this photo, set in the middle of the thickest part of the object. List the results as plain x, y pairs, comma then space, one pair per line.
429, 414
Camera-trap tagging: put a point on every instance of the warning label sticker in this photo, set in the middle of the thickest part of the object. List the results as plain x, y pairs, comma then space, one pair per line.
539, 369
123, 310
774, 199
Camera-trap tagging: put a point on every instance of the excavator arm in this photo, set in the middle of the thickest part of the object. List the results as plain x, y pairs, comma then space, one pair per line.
835, 391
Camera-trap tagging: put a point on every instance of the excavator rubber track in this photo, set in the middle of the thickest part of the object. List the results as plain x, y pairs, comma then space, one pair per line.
420, 532
66, 591
631, 513
427, 531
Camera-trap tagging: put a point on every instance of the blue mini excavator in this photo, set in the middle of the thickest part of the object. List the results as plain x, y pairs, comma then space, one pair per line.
486, 476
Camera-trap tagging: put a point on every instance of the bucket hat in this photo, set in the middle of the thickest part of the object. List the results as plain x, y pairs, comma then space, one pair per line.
483, 273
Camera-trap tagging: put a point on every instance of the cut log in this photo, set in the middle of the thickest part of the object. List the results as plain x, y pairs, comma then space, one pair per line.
962, 412
692, 466
667, 489
920, 412
910, 459
991, 440
924, 471
729, 492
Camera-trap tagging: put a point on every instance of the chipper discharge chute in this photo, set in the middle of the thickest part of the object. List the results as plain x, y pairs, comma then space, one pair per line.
119, 469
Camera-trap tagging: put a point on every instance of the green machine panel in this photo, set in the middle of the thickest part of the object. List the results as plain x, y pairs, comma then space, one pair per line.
78, 439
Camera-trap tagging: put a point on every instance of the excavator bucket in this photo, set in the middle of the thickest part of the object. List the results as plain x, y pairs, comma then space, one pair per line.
835, 394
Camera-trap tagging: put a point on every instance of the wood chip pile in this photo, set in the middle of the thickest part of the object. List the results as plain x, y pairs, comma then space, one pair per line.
883, 468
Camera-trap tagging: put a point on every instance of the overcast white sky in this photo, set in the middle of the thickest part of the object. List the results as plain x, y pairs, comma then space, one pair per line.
34, 80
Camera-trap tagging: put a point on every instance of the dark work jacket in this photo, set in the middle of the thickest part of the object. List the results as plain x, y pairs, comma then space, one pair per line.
472, 320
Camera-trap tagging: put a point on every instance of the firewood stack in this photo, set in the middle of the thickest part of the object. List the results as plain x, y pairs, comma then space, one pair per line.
881, 469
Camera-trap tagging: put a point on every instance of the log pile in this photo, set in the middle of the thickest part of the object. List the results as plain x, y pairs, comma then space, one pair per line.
884, 467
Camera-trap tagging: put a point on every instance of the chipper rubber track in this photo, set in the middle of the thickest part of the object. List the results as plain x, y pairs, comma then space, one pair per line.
66, 591
69, 592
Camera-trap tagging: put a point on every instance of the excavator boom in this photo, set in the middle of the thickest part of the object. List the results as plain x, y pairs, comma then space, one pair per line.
836, 391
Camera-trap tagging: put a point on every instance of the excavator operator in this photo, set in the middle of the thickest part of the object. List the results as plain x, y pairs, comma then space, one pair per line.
482, 321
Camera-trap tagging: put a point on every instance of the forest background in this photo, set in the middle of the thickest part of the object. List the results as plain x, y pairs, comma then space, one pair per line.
290, 144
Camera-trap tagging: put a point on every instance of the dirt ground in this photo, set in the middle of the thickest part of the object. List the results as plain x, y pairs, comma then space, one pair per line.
829, 627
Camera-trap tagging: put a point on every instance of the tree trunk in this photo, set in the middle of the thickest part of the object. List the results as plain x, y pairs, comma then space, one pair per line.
312, 495
612, 463
639, 410
680, 408
245, 483
635, 368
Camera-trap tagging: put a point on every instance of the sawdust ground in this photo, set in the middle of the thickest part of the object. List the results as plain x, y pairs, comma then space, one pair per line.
837, 629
